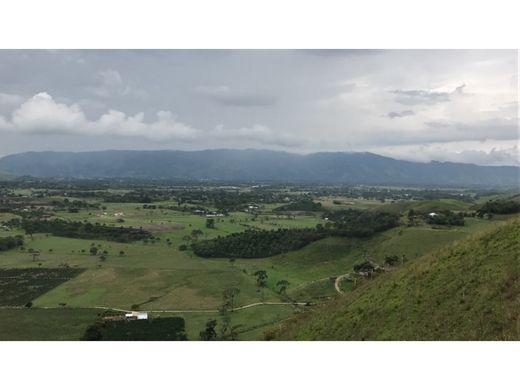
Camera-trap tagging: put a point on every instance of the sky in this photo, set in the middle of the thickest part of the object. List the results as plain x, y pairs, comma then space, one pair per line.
417, 105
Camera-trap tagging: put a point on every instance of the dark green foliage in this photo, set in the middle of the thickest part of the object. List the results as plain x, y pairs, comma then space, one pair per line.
499, 206
446, 218
18, 286
361, 223
210, 223
301, 205
62, 228
7, 243
366, 266
391, 260
209, 333
282, 286
261, 278
256, 243
157, 329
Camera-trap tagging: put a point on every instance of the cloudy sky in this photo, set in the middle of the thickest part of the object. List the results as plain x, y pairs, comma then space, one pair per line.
453, 105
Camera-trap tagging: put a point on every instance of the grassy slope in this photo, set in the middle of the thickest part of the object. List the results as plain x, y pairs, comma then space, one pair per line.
470, 290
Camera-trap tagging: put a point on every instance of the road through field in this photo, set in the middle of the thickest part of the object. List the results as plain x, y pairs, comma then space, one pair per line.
173, 310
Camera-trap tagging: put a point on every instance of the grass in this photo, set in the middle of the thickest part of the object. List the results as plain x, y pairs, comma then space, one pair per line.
468, 290
20, 286
45, 324
160, 277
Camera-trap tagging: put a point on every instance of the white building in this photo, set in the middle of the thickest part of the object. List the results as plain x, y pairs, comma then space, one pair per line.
137, 315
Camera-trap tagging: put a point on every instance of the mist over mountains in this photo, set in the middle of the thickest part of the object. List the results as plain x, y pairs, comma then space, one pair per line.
256, 165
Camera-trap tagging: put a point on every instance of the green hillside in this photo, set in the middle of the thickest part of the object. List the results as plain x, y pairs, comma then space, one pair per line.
470, 290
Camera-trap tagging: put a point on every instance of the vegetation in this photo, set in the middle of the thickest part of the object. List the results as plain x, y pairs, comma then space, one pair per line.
7, 243
60, 227
256, 243
157, 329
499, 206
361, 223
21, 286
446, 218
300, 205
467, 291
296, 255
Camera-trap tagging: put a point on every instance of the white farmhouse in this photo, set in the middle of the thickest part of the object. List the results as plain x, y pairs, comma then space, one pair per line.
136, 315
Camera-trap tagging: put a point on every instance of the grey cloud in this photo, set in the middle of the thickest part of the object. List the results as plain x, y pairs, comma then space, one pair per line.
415, 97
400, 114
225, 96
424, 96
308, 100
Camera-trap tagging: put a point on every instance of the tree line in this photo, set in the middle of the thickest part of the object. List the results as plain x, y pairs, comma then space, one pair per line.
62, 228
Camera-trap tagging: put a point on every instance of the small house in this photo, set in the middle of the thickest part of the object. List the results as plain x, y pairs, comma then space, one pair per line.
136, 315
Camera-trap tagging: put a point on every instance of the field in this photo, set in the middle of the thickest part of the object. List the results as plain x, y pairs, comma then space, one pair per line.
70, 285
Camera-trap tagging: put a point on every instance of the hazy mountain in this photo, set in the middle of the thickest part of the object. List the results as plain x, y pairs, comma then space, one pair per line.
255, 165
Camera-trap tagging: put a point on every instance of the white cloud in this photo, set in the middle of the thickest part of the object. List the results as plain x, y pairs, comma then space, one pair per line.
42, 114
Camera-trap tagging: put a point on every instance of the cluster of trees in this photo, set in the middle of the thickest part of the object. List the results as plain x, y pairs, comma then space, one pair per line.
11, 242
129, 197
73, 206
254, 243
500, 206
300, 205
62, 228
257, 243
157, 329
445, 218
359, 223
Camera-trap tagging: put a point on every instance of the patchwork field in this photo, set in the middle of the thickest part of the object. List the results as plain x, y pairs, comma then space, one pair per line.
71, 281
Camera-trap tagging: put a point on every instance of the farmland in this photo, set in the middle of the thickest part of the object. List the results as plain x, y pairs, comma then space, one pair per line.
89, 247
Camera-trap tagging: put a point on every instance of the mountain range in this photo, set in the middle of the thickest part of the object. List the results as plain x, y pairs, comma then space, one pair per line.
256, 165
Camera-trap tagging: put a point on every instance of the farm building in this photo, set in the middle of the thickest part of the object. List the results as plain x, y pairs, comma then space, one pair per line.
432, 214
136, 315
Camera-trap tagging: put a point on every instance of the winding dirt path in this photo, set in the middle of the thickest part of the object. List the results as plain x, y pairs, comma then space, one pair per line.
338, 280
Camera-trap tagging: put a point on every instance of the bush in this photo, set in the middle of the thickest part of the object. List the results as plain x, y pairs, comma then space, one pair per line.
7, 243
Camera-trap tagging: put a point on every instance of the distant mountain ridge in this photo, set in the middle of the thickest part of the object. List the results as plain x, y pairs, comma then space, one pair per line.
255, 165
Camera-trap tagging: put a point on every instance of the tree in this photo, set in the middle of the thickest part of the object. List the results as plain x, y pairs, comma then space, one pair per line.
209, 333
232, 261
93, 251
411, 217
261, 278
282, 286
391, 260
195, 233
121, 253
210, 223
229, 297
